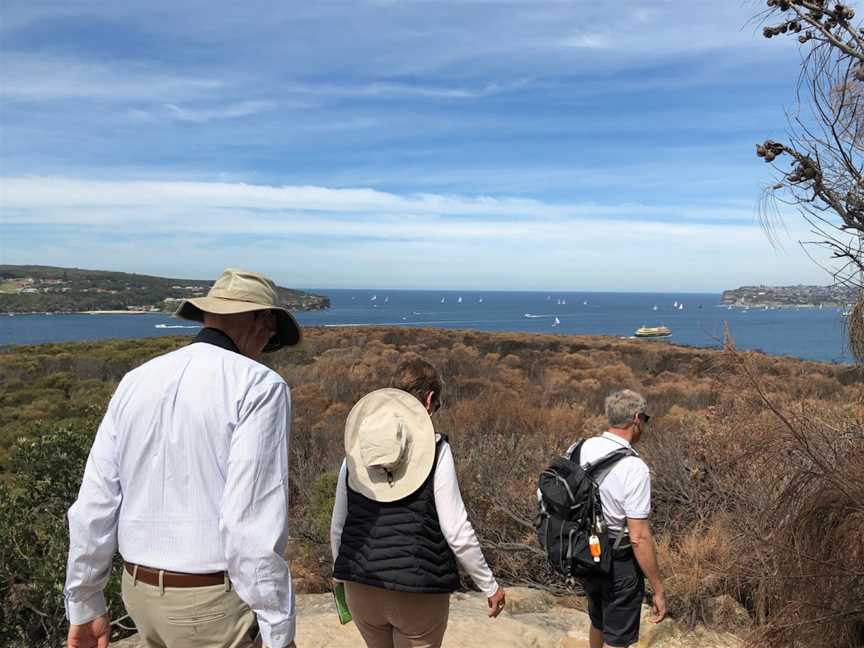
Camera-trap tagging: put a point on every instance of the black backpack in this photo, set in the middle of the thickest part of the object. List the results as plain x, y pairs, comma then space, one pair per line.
570, 512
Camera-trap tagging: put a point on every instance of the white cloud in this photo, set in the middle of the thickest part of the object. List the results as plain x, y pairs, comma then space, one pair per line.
390, 89
32, 77
360, 236
77, 198
588, 41
227, 111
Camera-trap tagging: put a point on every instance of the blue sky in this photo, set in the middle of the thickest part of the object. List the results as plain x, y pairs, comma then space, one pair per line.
561, 145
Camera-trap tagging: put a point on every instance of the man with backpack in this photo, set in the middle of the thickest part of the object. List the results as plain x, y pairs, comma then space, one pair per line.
593, 523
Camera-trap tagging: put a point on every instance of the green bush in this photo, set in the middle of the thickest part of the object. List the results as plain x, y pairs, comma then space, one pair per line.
321, 505
45, 474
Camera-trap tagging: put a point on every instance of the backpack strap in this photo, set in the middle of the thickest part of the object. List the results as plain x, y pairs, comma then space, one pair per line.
576, 453
606, 462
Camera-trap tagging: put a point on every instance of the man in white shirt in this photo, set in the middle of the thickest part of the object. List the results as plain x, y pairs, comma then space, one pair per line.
188, 479
615, 600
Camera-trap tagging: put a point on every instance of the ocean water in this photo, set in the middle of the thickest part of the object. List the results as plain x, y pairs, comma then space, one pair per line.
806, 333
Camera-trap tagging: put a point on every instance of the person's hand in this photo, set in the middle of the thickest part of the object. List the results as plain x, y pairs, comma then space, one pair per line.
658, 603
496, 603
93, 634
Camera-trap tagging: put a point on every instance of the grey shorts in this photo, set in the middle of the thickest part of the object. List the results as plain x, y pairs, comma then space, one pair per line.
615, 601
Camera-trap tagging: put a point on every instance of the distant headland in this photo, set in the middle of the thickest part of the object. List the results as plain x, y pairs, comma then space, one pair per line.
791, 296
49, 289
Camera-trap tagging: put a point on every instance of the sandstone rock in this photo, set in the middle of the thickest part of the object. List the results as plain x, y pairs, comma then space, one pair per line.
521, 600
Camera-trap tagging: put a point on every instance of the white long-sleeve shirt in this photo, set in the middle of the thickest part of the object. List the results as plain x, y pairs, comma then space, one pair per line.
452, 518
189, 473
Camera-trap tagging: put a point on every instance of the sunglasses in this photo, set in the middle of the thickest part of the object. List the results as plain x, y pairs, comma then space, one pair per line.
644, 417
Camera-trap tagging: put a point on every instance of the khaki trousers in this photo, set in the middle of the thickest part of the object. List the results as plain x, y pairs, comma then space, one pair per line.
388, 619
188, 617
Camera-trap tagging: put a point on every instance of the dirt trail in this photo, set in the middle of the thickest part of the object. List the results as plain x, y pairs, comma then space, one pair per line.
532, 620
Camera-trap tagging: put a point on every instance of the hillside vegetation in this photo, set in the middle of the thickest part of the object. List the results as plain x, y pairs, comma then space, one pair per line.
757, 462
48, 289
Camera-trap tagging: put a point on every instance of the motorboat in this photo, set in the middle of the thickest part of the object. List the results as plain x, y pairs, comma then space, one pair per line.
652, 332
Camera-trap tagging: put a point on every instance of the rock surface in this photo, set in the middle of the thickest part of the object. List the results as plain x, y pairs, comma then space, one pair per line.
532, 620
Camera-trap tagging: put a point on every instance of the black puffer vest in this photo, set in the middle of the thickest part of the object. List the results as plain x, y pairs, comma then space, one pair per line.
397, 545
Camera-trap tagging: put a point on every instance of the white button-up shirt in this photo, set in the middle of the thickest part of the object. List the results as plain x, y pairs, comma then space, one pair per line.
189, 473
452, 518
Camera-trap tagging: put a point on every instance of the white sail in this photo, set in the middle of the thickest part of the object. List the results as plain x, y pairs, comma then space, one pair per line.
557, 322
374, 297
459, 300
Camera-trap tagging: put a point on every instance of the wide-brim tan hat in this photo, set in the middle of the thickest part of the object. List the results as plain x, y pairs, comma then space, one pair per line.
389, 445
242, 291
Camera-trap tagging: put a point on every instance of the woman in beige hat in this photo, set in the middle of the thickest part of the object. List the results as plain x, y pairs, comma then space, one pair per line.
399, 525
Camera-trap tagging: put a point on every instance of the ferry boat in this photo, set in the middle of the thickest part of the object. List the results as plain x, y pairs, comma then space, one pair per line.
652, 332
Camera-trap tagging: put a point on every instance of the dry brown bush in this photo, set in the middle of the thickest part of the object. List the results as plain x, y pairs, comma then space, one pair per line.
740, 507
757, 462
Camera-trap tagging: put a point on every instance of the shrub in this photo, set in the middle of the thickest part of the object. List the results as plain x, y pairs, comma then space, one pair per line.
321, 505
757, 464
46, 474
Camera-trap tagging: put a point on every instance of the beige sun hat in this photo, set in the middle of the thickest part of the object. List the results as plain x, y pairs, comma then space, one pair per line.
242, 291
389, 445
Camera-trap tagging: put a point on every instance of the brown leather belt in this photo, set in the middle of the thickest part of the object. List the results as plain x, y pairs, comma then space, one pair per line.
174, 579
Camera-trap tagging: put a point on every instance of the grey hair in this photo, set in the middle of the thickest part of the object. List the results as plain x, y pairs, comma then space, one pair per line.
622, 405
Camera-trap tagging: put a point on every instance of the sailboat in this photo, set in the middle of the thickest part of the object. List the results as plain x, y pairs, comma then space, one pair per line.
442, 299
480, 301
374, 297
386, 300
675, 305
459, 300
585, 303
680, 306
563, 302
556, 323
655, 307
